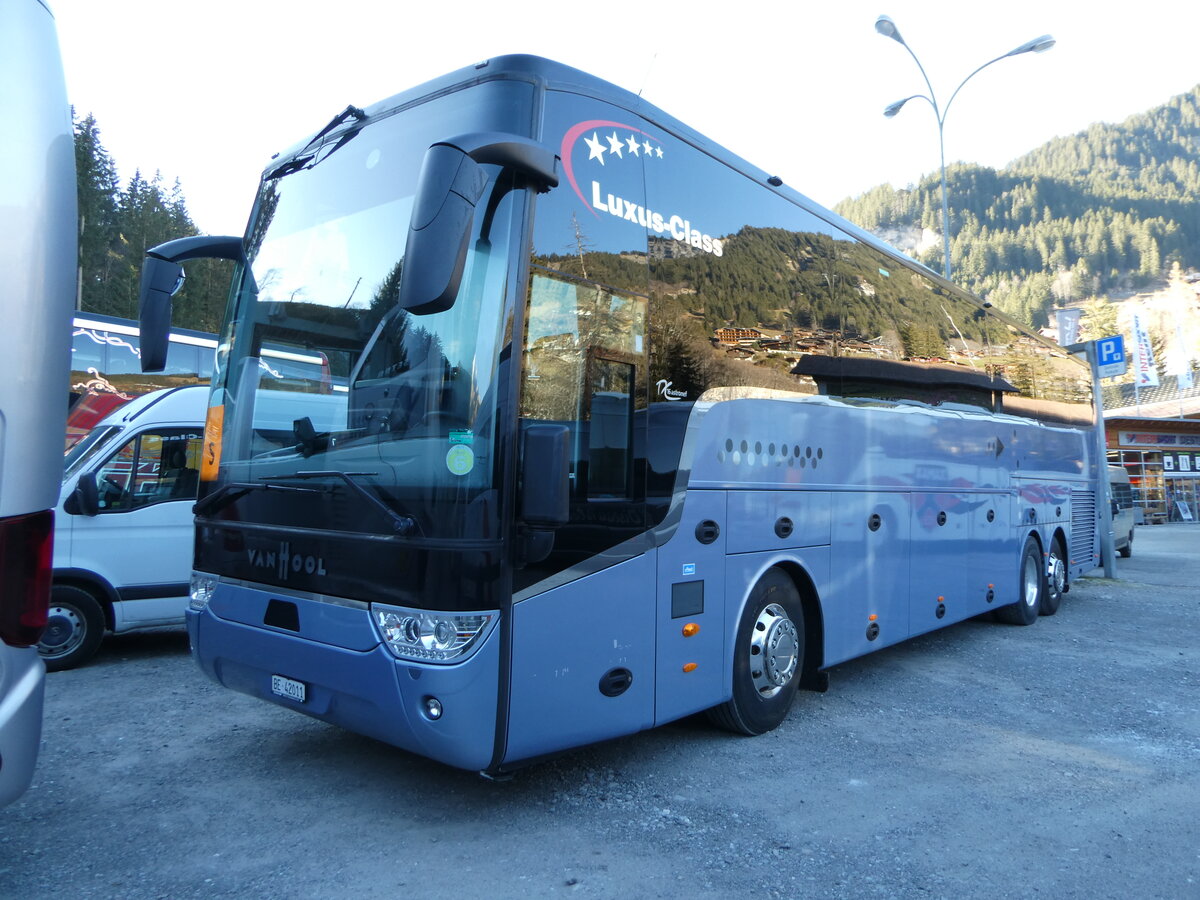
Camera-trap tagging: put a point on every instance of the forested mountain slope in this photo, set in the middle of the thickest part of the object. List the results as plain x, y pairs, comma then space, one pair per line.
1107, 210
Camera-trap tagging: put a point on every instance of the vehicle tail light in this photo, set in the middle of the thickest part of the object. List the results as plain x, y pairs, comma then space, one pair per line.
26, 554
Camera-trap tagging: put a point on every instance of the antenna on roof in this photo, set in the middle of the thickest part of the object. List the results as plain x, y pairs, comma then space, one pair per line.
649, 69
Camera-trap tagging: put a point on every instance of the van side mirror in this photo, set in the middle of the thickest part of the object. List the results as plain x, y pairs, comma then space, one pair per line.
85, 499
449, 187
162, 276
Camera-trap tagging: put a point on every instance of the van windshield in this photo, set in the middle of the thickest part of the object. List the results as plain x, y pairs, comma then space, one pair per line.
82, 452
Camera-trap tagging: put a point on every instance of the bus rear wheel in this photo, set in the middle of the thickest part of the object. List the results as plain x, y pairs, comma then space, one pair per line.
768, 658
1056, 579
1031, 584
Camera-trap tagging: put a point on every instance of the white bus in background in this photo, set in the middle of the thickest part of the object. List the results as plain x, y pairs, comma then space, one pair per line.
38, 259
106, 361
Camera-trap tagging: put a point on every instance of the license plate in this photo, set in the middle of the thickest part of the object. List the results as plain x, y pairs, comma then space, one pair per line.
287, 687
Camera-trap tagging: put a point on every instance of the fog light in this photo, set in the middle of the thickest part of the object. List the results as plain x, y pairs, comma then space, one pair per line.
433, 708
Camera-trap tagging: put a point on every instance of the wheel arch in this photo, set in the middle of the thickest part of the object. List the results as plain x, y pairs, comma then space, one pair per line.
810, 604
98, 587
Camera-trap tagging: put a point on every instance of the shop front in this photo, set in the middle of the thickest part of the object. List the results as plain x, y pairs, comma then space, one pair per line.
1162, 458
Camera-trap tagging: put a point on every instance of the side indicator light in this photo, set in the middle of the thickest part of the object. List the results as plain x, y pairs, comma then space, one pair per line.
689, 667
691, 628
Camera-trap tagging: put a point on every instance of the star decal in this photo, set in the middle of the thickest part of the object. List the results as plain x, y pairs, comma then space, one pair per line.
649, 149
596, 148
615, 145
634, 146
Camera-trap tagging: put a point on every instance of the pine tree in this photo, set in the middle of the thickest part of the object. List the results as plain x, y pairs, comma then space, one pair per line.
98, 187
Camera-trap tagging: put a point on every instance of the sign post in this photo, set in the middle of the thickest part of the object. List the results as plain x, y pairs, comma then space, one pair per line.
1107, 354
1110, 356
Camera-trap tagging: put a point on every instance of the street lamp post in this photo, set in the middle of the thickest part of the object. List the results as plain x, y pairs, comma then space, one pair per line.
885, 26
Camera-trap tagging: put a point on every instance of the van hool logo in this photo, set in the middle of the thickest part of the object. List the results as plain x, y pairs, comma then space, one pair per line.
613, 143
284, 562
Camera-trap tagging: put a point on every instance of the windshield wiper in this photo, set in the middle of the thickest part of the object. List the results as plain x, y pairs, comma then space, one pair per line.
227, 493
405, 526
304, 160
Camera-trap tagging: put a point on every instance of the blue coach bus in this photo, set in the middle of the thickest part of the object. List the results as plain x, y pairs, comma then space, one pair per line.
632, 431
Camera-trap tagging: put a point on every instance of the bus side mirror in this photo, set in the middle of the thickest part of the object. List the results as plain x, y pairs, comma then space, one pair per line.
450, 184
162, 277
161, 280
448, 188
545, 476
85, 499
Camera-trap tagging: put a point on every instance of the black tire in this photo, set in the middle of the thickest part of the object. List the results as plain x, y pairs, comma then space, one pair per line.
74, 628
1127, 550
1031, 586
1056, 579
768, 658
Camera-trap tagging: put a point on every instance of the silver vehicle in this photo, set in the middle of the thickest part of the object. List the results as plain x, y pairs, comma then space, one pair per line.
37, 291
1122, 510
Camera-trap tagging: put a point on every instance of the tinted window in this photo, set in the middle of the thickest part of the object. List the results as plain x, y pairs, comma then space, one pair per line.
152, 467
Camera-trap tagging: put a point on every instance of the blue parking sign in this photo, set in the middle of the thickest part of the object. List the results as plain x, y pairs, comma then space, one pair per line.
1110, 356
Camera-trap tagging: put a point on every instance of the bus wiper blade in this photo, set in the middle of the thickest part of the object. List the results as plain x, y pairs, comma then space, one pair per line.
405, 526
228, 493
350, 112
305, 160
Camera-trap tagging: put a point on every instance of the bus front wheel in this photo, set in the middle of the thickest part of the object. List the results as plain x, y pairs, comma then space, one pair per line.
1031, 584
768, 658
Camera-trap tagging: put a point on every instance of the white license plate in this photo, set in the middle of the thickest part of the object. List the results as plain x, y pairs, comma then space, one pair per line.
287, 687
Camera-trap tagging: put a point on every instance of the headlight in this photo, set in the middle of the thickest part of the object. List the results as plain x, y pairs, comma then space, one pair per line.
425, 636
201, 590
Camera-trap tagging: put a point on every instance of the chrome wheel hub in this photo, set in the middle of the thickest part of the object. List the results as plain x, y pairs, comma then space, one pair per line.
1029, 579
1056, 573
774, 650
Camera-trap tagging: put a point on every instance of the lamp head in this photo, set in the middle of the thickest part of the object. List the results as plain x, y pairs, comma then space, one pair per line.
1037, 45
885, 26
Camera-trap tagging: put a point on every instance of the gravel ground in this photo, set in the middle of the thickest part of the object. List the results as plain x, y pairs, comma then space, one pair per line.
1061, 760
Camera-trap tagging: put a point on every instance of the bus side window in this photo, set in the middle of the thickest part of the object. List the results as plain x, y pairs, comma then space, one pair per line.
583, 345
183, 359
121, 355
87, 351
610, 427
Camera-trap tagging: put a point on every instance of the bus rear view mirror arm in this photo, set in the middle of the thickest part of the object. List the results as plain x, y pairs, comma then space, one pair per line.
162, 277
450, 184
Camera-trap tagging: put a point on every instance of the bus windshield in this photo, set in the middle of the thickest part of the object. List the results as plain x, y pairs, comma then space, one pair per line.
326, 386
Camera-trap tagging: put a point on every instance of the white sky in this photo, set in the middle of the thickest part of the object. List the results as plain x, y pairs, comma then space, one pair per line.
206, 91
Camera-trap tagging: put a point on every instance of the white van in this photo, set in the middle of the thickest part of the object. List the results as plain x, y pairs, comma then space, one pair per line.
1122, 510
124, 535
